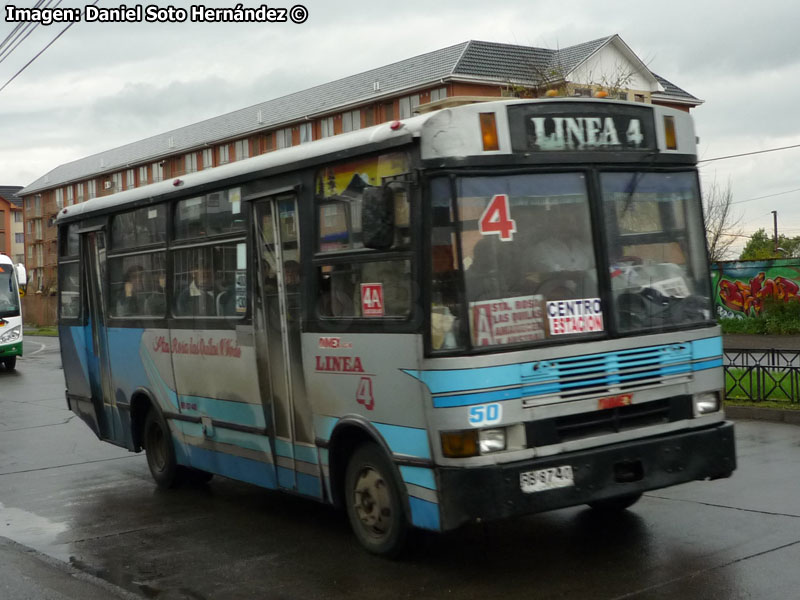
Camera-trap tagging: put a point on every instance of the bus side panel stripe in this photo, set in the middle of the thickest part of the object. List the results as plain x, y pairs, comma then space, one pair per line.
285, 477
707, 348
309, 485
405, 440
419, 476
711, 364
236, 467
424, 514
219, 409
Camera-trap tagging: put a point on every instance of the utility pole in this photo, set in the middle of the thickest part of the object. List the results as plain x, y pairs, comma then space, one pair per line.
775, 228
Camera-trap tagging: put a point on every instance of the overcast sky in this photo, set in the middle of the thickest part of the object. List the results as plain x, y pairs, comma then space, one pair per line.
102, 85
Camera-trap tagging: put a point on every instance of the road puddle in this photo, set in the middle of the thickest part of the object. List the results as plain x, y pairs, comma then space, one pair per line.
29, 529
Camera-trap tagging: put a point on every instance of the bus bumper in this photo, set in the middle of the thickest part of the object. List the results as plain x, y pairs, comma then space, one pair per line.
11, 350
488, 493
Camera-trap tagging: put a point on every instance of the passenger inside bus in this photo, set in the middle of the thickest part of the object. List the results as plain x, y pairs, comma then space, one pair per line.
131, 302
198, 298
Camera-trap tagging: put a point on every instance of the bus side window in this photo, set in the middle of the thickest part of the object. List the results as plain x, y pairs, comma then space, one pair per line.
370, 289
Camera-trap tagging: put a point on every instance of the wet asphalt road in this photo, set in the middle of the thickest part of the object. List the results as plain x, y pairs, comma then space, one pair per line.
94, 506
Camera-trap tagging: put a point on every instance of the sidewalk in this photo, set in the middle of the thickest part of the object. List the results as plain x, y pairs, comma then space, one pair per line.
29, 575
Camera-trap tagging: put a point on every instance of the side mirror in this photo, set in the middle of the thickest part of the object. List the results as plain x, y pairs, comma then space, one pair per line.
377, 218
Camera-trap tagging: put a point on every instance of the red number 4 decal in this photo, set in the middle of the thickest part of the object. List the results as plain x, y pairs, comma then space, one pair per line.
364, 393
496, 219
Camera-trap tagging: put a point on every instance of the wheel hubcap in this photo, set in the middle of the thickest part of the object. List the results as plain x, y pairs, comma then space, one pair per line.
372, 501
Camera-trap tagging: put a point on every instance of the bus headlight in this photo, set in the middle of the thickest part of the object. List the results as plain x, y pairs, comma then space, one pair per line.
12, 335
491, 440
472, 442
705, 403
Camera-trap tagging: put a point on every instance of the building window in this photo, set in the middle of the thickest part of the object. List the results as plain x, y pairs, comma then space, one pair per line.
91, 188
70, 196
284, 137
116, 182
369, 116
408, 105
157, 169
208, 158
190, 162
37, 205
130, 179
388, 111
305, 133
30, 227
18, 216
19, 238
60, 198
638, 97
242, 149
351, 121
223, 154
326, 127
143, 179
438, 94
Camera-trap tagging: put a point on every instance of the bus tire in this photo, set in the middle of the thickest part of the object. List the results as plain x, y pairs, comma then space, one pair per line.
617, 504
160, 451
10, 363
374, 501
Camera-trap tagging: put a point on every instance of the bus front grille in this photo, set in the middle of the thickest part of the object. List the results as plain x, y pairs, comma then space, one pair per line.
555, 430
613, 372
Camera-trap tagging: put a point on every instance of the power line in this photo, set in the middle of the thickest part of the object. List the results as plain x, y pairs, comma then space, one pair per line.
27, 30
38, 54
767, 196
748, 153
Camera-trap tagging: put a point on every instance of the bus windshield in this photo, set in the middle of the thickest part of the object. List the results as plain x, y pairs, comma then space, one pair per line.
656, 249
528, 265
527, 248
9, 297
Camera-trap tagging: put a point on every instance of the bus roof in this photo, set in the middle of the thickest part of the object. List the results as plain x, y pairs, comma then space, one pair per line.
5, 259
446, 133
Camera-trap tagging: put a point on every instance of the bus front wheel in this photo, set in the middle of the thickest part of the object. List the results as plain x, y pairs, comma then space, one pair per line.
374, 502
159, 450
10, 363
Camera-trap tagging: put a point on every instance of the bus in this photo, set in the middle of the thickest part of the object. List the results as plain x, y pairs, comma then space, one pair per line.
480, 312
10, 314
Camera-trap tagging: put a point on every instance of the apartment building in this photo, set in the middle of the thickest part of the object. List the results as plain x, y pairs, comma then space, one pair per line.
469, 71
12, 239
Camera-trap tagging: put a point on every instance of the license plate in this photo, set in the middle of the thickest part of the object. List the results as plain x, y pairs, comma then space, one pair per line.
546, 479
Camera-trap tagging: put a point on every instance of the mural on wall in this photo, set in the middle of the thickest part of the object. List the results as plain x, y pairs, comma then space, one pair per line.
741, 287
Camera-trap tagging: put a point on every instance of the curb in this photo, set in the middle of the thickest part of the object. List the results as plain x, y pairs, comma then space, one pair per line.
87, 578
773, 415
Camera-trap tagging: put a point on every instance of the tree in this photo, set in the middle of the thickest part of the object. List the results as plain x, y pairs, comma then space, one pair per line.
761, 246
720, 222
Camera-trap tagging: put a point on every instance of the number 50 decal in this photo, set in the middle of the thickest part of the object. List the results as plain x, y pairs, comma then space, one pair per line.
496, 219
485, 414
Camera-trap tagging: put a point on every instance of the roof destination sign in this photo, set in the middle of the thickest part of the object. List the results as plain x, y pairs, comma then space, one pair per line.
574, 127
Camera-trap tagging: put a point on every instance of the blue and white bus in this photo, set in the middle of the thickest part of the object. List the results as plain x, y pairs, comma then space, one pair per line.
481, 312
10, 314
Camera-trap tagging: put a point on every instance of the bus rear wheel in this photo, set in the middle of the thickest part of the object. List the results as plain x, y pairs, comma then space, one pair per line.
10, 363
374, 502
159, 450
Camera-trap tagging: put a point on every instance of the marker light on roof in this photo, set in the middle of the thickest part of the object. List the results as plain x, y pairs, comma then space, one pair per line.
177, 182
670, 139
601, 94
489, 131
395, 125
